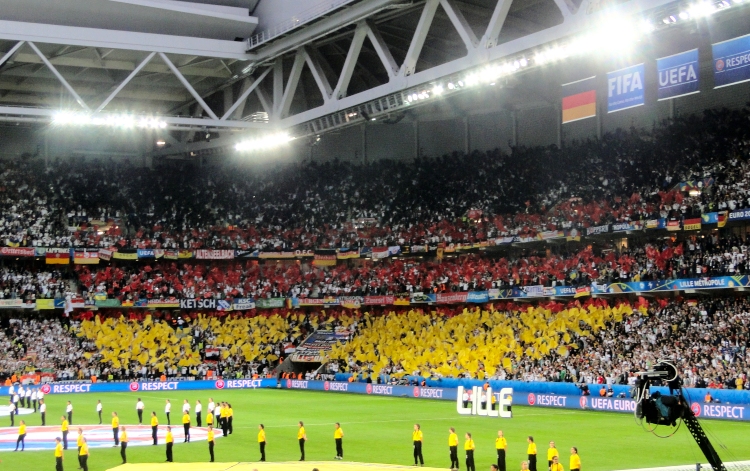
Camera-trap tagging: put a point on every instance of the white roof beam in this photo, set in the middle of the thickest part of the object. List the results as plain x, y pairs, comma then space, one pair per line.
57, 74
133, 41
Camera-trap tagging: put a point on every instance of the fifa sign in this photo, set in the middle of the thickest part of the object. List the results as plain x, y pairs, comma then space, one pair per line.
504, 402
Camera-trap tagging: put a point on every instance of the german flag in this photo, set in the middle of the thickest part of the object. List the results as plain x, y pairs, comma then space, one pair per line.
579, 100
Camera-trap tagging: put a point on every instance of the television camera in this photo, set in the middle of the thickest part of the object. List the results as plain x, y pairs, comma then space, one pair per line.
672, 409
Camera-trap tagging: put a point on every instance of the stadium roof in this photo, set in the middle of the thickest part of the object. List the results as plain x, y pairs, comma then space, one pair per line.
207, 64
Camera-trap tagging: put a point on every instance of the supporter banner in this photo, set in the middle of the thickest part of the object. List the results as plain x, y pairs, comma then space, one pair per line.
44, 304
326, 301
451, 298
166, 303
625, 88
345, 254
597, 230
498, 294
583, 291
579, 100
627, 226
185, 254
351, 302
40, 251
106, 303
740, 215
402, 300
271, 303
365, 252
146, 253
719, 218
16, 304
656, 224
57, 256
318, 345
678, 75
17, 251
276, 255
691, 224
422, 298
195, 303
385, 252
105, 254
86, 257
478, 297
536, 291
547, 235
125, 256
243, 304
324, 260
673, 225
171, 254
214, 254
731, 61
379, 300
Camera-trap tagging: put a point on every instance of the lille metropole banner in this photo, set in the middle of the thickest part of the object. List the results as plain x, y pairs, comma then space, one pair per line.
726, 411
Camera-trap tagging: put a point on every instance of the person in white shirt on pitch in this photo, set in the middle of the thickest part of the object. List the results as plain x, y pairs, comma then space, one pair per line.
185, 407
21, 395
99, 408
34, 399
12, 412
28, 397
39, 394
139, 406
167, 411
198, 411
43, 412
69, 411
211, 405
15, 400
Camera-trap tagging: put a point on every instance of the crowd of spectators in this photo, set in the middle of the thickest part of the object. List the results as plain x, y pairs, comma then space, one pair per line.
29, 283
595, 343
624, 176
711, 255
35, 343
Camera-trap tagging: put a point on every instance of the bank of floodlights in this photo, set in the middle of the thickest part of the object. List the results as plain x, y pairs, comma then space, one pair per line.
121, 121
263, 143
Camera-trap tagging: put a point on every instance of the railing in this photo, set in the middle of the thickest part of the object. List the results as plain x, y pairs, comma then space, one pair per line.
295, 22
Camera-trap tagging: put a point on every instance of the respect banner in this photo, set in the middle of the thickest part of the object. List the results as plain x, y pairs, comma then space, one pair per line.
731, 61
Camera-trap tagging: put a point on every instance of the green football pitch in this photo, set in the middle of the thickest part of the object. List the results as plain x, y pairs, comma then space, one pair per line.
378, 430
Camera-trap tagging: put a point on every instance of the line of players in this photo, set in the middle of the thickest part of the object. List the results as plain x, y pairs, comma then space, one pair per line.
501, 446
224, 417
24, 397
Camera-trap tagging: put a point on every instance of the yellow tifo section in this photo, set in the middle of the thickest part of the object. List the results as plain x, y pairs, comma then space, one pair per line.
475, 342
288, 466
154, 342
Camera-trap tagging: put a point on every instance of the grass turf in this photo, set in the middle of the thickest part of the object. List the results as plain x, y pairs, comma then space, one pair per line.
378, 430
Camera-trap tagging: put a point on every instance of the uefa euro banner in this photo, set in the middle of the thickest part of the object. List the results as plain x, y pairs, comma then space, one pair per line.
579, 100
678, 75
625, 88
731, 61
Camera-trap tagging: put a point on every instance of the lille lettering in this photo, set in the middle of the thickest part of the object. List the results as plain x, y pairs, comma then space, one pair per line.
504, 402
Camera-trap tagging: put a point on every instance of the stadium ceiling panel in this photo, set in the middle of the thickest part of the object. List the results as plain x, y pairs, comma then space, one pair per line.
203, 62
